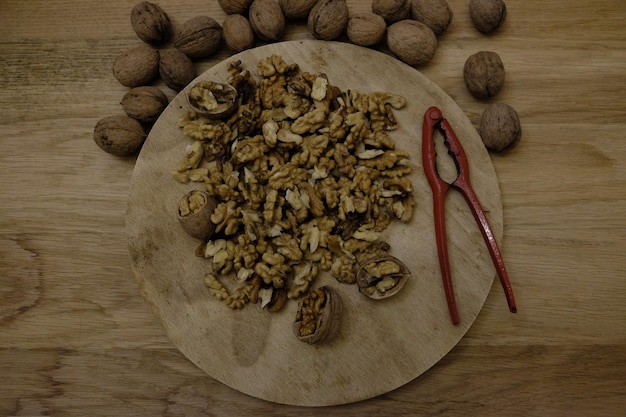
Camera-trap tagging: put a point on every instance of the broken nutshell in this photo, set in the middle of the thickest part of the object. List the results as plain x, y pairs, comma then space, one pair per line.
381, 277
213, 100
319, 315
194, 214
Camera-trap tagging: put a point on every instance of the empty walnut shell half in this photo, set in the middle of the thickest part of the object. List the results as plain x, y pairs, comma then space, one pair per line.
319, 315
213, 100
194, 214
382, 276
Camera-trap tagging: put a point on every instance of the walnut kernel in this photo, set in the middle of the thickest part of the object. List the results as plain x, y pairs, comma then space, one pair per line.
483, 73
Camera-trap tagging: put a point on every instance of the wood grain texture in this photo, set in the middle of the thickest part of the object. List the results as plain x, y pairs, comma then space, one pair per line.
76, 337
381, 345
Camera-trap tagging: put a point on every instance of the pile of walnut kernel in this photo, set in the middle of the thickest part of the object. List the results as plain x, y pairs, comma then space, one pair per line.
305, 178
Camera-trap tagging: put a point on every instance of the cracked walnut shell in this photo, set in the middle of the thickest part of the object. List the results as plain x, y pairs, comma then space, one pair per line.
194, 214
381, 277
319, 315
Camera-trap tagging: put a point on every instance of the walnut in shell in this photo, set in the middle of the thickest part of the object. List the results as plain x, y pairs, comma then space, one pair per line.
267, 19
500, 127
483, 73
487, 15
235, 6
436, 14
176, 68
381, 277
328, 19
319, 315
412, 42
238, 33
136, 66
194, 214
119, 135
392, 10
150, 22
366, 29
144, 103
199, 37
297, 9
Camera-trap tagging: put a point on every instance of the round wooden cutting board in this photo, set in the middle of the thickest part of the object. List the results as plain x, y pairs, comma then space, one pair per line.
382, 345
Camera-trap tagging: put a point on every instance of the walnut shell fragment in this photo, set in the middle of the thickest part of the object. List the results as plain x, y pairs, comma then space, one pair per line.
150, 22
213, 100
319, 315
381, 277
194, 214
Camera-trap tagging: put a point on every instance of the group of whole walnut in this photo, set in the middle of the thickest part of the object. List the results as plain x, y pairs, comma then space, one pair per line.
409, 28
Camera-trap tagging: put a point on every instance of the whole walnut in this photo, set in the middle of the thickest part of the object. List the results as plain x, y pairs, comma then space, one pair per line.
487, 15
199, 37
436, 14
392, 10
297, 9
237, 32
119, 135
484, 74
267, 19
136, 66
366, 29
412, 42
150, 22
144, 103
500, 128
176, 68
235, 6
328, 19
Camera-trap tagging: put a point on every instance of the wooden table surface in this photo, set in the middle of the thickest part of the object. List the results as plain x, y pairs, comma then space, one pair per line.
77, 338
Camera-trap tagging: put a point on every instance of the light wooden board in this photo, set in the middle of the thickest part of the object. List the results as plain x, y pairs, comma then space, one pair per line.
382, 345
